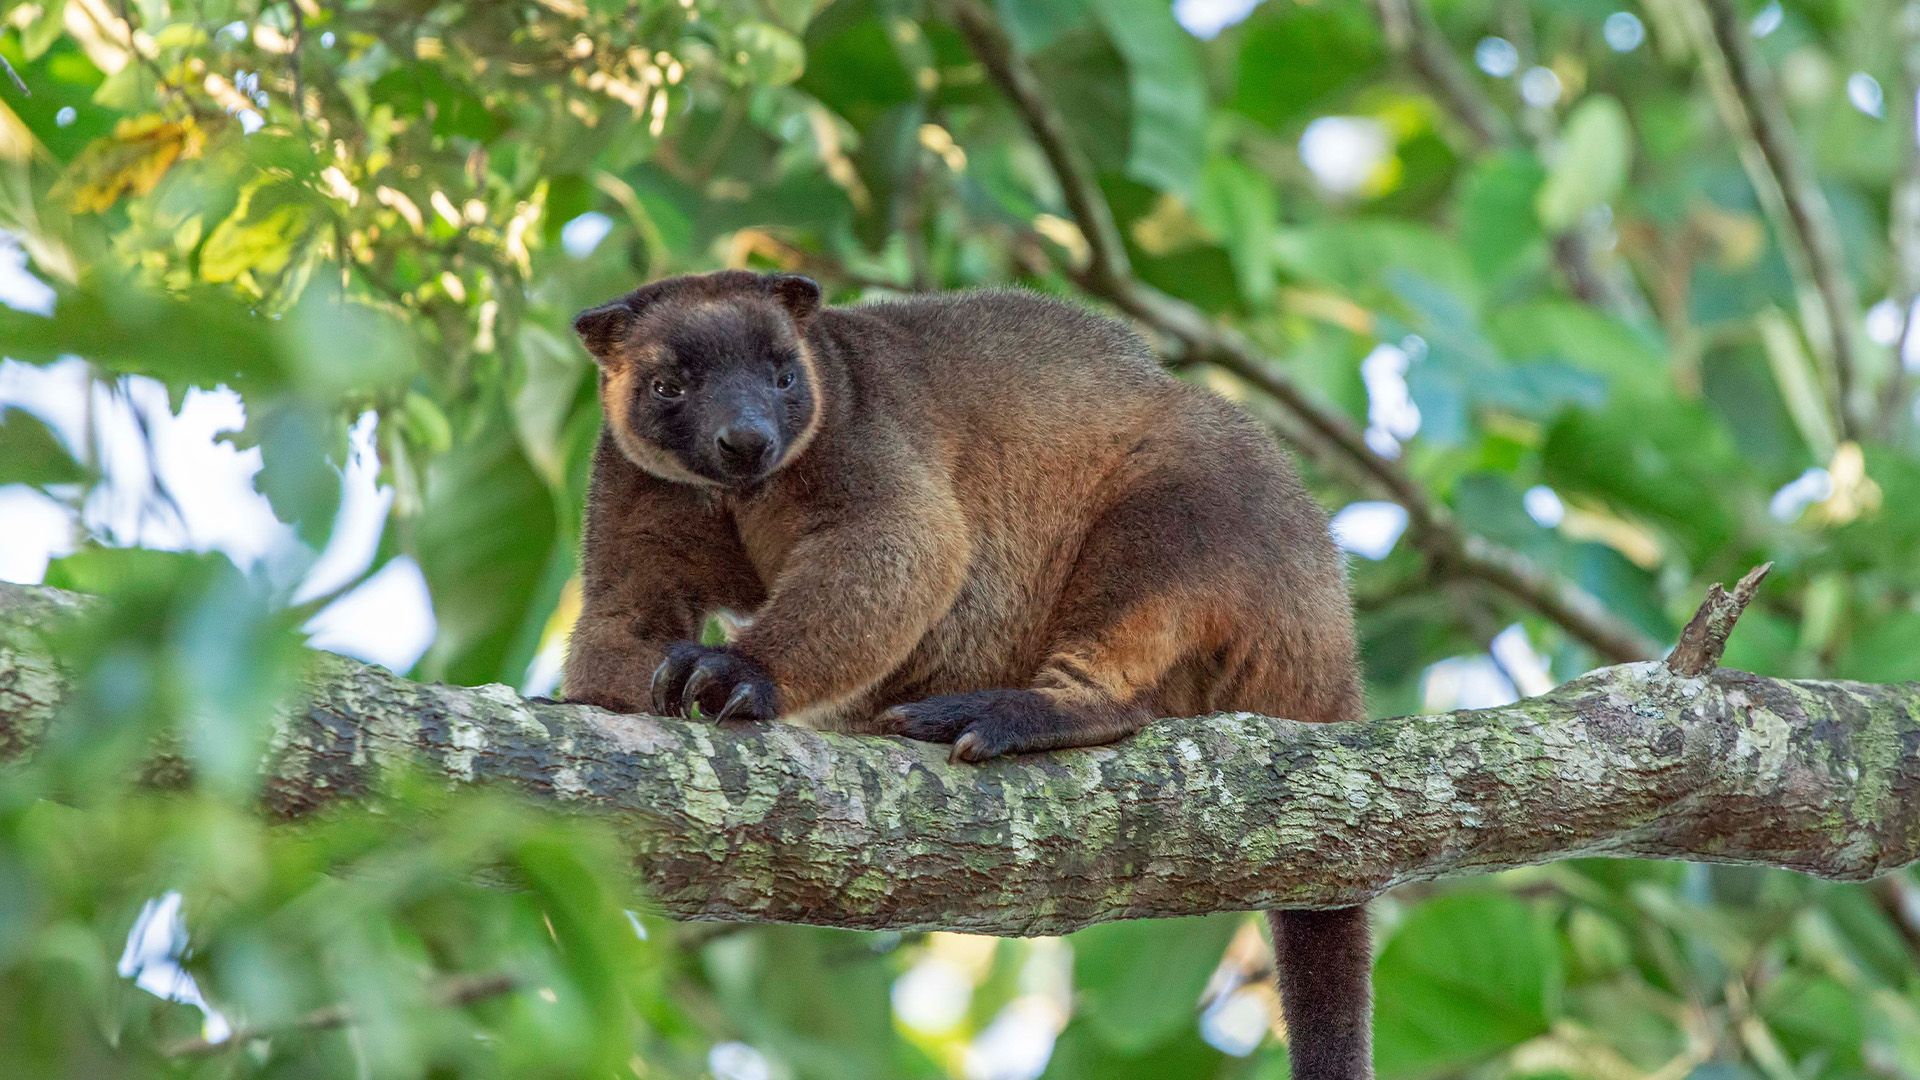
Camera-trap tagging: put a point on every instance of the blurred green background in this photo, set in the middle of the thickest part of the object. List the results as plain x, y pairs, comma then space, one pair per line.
1619, 290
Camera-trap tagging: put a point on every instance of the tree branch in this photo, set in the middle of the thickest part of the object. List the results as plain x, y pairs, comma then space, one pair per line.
456, 990
1411, 34
1705, 637
1107, 267
772, 822
1751, 107
13, 77
1904, 216
1326, 436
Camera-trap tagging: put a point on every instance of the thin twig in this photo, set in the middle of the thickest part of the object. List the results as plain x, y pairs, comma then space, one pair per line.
1905, 217
1751, 107
1898, 897
1413, 36
1107, 265
1705, 638
1328, 437
14, 77
452, 992
133, 46
1574, 609
299, 73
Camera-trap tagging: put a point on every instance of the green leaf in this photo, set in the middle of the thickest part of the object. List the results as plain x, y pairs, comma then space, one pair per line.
1035, 24
184, 340
30, 453
489, 545
297, 445
852, 66
1463, 978
341, 345
1360, 256
1498, 225
1139, 982
1576, 333
1299, 59
43, 29
1814, 1015
547, 399
1167, 132
1591, 168
261, 236
1239, 206
441, 94
1649, 456
773, 57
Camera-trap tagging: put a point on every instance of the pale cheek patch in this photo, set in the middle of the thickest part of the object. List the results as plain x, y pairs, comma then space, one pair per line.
616, 395
809, 371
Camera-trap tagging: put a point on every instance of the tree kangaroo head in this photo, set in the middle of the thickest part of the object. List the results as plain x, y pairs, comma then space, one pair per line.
707, 379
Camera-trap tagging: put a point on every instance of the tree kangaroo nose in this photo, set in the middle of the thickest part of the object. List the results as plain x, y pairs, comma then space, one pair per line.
744, 443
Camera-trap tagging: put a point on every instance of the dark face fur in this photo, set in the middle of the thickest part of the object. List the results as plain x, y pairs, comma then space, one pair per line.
707, 379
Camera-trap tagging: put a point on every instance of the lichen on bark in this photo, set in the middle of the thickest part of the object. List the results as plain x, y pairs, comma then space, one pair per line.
1231, 812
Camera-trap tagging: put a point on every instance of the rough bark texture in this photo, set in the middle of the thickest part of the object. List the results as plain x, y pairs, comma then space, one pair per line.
1231, 812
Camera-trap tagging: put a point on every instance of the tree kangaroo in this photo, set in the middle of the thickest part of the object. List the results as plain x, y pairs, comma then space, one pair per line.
985, 519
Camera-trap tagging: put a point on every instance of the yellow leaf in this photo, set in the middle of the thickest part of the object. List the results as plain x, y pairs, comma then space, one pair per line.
130, 161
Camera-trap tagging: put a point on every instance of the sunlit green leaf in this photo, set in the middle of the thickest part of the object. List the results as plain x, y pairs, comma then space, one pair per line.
1591, 167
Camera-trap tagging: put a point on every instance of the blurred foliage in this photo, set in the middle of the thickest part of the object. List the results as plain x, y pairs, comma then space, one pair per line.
392, 208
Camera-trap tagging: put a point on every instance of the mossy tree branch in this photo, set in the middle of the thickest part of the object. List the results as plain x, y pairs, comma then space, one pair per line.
779, 823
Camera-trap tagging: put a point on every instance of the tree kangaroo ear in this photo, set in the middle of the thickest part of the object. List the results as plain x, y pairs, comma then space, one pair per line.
800, 295
601, 328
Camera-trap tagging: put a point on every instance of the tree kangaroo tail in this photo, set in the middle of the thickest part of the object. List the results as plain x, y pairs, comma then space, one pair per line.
1325, 961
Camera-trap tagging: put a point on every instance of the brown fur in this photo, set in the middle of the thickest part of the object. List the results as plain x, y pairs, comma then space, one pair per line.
1009, 530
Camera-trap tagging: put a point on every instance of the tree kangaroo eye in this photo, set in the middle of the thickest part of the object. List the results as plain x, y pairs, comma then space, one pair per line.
666, 390
784, 379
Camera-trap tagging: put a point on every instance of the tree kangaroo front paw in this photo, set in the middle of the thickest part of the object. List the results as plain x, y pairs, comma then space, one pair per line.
724, 684
980, 725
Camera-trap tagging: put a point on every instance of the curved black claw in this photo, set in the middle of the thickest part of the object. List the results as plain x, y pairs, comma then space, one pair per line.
670, 678
747, 702
701, 678
720, 683
983, 724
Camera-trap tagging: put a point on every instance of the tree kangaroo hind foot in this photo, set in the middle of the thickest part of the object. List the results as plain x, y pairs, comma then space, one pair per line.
985, 724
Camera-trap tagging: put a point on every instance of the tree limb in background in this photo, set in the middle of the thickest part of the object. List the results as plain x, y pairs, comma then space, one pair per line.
13, 77
1325, 436
452, 991
1905, 217
777, 823
1107, 268
1750, 106
1411, 34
